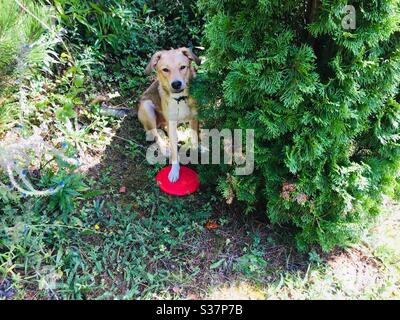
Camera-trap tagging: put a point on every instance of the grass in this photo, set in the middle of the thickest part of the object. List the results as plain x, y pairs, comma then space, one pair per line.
142, 244
367, 271
18, 28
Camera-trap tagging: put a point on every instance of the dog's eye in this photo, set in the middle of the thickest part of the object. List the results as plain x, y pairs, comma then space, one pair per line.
183, 67
165, 70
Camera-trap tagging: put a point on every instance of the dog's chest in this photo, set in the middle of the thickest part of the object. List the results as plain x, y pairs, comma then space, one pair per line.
179, 110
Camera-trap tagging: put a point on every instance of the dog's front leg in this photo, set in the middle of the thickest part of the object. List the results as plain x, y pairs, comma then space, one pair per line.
173, 175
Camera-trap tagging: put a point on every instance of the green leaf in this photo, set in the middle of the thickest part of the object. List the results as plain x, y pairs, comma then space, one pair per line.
217, 264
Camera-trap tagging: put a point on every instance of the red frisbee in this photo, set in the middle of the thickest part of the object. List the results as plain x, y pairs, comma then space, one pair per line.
187, 183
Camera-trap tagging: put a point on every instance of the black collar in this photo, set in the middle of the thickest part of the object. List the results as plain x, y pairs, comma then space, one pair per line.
179, 99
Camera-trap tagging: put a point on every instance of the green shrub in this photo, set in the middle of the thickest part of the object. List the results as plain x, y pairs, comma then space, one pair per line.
322, 102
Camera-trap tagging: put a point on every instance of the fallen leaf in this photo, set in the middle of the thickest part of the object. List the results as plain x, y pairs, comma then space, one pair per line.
176, 289
211, 224
192, 296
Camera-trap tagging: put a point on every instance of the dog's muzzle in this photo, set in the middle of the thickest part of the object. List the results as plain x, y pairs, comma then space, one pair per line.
177, 86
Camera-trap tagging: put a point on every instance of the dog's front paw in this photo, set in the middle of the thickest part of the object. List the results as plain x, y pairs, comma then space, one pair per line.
173, 175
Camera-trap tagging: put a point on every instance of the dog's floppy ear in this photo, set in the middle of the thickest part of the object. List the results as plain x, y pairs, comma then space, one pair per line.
153, 62
189, 53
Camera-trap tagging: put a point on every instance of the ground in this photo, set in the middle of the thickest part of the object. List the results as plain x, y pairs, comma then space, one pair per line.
128, 240
196, 247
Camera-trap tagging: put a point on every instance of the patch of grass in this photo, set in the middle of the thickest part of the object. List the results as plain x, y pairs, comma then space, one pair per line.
142, 244
368, 271
18, 28
8, 115
104, 249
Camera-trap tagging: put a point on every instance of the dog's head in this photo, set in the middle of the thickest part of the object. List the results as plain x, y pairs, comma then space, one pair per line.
174, 69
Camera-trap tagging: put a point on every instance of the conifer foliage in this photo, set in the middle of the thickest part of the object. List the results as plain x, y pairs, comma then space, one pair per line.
321, 97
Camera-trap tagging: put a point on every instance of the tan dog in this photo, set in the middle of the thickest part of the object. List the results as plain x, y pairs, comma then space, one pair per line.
167, 101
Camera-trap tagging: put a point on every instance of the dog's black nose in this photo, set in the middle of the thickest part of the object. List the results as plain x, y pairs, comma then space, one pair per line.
176, 85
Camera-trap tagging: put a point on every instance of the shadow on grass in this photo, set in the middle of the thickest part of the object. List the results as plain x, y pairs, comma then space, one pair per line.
127, 240
184, 257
